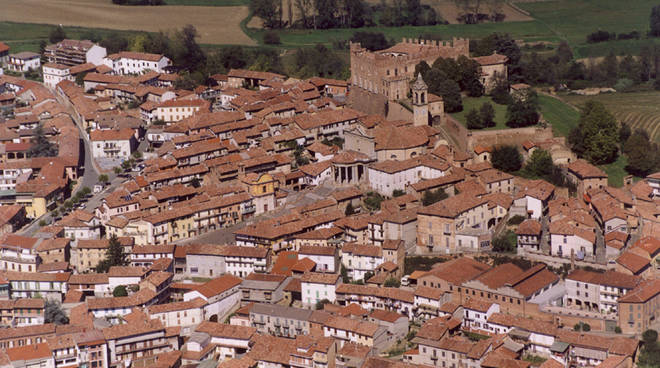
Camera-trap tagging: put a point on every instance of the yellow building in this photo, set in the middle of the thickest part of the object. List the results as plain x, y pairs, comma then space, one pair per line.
87, 254
261, 188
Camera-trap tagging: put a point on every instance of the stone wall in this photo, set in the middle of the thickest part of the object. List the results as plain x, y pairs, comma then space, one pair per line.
397, 112
457, 131
507, 136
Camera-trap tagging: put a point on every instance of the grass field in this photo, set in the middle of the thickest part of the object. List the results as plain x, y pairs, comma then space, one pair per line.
573, 20
616, 171
216, 25
639, 109
561, 116
470, 103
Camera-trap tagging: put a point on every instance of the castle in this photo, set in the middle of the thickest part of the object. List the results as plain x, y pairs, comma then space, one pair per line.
389, 72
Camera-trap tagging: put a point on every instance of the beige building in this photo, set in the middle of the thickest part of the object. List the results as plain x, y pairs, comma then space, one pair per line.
88, 253
493, 67
438, 224
586, 176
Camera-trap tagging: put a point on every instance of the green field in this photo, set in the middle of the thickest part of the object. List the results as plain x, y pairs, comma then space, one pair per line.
573, 20
470, 103
529, 31
616, 171
561, 116
27, 36
638, 109
207, 2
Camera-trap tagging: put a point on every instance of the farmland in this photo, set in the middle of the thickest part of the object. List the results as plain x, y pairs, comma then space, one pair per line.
216, 25
638, 109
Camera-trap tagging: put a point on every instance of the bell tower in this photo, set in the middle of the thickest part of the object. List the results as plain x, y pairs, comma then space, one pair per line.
420, 100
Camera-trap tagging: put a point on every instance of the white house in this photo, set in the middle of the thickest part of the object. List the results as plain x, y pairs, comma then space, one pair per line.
476, 313
428, 301
208, 260
186, 314
324, 257
24, 61
566, 239
113, 143
318, 286
316, 173
230, 341
55, 73
534, 197
360, 259
387, 176
179, 109
222, 295
125, 275
541, 337
127, 62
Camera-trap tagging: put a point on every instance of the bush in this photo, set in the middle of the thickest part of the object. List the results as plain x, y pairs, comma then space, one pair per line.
272, 38
506, 158
586, 327
398, 193
392, 282
505, 242
516, 220
623, 84
600, 36
617, 329
473, 120
120, 291
576, 327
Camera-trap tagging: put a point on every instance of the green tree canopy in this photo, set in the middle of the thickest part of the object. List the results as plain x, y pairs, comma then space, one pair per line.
114, 256
120, 291
53, 313
595, 138
56, 35
506, 158
642, 153
432, 196
654, 21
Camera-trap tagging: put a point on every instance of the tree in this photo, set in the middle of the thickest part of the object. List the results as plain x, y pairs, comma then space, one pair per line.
114, 256
473, 119
103, 178
654, 21
451, 94
624, 132
41, 146
506, 158
432, 196
398, 193
118, 170
372, 41
523, 112
53, 313
487, 115
321, 303
595, 138
392, 282
642, 154
650, 353
56, 35
350, 210
540, 164
500, 92
577, 327
505, 242
269, 11
119, 291
372, 201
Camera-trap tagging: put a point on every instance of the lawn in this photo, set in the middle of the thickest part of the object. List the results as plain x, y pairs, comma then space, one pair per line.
470, 103
616, 171
573, 20
561, 116
638, 109
207, 2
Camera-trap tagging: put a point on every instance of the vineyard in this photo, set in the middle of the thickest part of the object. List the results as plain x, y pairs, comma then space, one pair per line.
638, 109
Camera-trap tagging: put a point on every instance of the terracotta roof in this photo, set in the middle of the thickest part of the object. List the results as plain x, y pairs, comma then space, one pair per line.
317, 250
362, 250
320, 278
645, 291
585, 170
493, 59
219, 285
29, 352
111, 135
529, 227
452, 207
608, 278
633, 262
226, 331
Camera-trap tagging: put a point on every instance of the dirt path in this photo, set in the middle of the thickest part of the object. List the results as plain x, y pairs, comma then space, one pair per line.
216, 25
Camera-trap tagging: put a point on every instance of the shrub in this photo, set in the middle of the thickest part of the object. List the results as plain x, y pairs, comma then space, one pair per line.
600, 36
398, 193
586, 327
392, 282
623, 84
617, 329
272, 38
516, 220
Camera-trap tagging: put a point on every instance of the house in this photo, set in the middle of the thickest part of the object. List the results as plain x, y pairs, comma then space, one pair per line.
428, 301
392, 175
263, 288
567, 240
325, 257
533, 197
439, 223
127, 62
528, 236
370, 298
476, 313
54, 73
19, 253
493, 67
184, 314
598, 292
346, 330
180, 109
113, 143
360, 259
226, 341
138, 330
4, 54
207, 260
12, 217
50, 286
37, 355
640, 307
279, 320
586, 176
75, 52
115, 309
54, 250
23, 62
87, 253
221, 294
316, 287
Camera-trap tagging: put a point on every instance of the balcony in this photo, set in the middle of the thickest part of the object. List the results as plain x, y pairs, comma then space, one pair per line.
248, 209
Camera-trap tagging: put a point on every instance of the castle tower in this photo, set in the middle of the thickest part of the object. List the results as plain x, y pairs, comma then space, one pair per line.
420, 100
